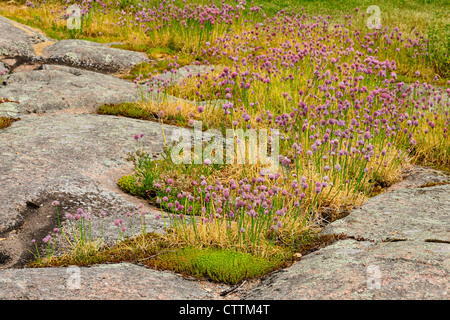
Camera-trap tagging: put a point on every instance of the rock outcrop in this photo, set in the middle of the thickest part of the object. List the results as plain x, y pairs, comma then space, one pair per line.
59, 87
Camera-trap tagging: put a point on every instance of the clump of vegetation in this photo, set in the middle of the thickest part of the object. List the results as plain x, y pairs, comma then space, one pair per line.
129, 110
439, 48
6, 122
219, 265
129, 185
153, 250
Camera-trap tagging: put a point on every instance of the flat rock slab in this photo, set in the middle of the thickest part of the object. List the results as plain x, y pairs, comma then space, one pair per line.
419, 176
103, 282
411, 214
177, 75
59, 87
18, 40
75, 159
92, 55
354, 270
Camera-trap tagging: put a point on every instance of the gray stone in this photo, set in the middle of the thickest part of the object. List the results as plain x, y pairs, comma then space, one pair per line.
75, 159
59, 87
413, 214
352, 270
92, 55
102, 282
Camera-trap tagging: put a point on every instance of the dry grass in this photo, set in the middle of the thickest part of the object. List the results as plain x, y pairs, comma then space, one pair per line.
350, 187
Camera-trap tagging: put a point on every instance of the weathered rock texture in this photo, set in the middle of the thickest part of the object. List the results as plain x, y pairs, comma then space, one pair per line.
59, 87
93, 56
56, 87
410, 214
357, 270
402, 252
104, 282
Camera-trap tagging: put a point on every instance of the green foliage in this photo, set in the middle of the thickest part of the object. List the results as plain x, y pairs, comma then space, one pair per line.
311, 241
6, 122
129, 110
129, 185
143, 68
221, 265
439, 48
131, 250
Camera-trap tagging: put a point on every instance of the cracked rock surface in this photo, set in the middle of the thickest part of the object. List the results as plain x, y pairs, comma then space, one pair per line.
399, 248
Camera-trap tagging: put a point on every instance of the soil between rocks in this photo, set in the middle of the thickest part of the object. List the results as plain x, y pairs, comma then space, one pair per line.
54, 154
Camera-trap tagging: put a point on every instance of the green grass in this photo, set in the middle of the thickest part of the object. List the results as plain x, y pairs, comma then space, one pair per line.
129, 110
219, 265
162, 59
439, 48
128, 184
136, 111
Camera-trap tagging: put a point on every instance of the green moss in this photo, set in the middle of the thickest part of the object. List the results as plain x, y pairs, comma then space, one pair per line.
162, 58
129, 110
311, 241
220, 265
129, 185
131, 47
